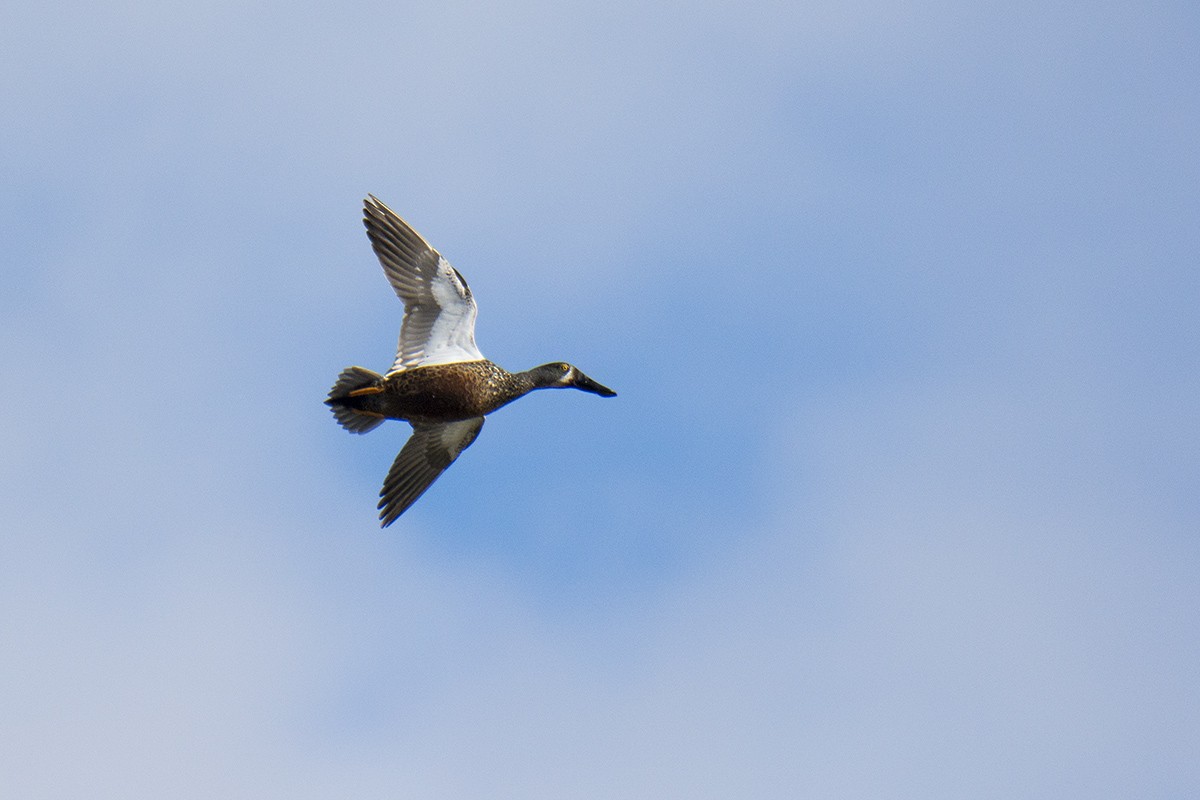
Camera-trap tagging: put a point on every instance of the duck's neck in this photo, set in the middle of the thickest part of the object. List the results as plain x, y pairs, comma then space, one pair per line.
523, 382
509, 386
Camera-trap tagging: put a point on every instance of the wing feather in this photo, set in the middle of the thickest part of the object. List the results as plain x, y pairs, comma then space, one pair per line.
439, 309
428, 452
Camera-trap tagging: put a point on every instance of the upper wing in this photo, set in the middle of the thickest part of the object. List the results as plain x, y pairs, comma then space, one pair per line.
431, 448
439, 311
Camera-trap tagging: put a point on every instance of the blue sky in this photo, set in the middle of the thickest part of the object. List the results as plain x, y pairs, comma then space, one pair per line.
898, 499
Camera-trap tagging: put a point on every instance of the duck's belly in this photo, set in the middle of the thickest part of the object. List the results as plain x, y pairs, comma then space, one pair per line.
443, 392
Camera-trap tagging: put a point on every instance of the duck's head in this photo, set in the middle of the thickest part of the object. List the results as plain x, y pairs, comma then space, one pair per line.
561, 375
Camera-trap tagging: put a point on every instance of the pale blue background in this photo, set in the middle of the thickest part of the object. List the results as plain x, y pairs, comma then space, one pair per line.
898, 500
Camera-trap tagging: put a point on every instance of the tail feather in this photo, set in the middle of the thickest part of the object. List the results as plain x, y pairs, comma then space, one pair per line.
352, 419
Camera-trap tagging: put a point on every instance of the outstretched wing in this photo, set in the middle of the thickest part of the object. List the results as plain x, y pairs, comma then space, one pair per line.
439, 310
431, 448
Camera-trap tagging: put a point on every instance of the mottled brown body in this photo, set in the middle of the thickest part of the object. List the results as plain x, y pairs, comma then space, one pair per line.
442, 392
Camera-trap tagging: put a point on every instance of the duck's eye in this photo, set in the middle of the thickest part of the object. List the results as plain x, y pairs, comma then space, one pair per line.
564, 367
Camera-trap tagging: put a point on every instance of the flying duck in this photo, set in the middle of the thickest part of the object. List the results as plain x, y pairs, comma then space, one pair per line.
439, 383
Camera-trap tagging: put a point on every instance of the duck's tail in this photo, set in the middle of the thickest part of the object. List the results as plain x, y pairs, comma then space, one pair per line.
352, 384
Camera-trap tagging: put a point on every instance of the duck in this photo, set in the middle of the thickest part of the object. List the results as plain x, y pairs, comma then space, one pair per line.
440, 382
